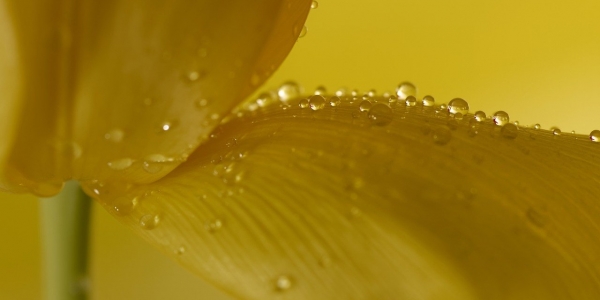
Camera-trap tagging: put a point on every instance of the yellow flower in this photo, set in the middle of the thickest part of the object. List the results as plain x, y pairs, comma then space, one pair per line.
331, 202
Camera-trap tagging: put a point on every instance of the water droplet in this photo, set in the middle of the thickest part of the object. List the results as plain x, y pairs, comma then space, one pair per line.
114, 135
214, 225
555, 130
479, 116
149, 222
428, 101
303, 103
320, 90
314, 4
264, 99
335, 101
595, 136
341, 92
288, 90
364, 106
283, 283
154, 163
179, 251
406, 89
120, 164
510, 131
303, 32
317, 102
371, 93
458, 105
411, 101
193, 76
537, 126
166, 126
442, 135
124, 205
380, 114
500, 118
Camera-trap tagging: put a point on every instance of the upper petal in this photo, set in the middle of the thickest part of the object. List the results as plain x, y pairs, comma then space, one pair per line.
125, 90
346, 202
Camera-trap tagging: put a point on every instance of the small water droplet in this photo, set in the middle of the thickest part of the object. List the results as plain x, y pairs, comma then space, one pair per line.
200, 103
303, 103
458, 105
214, 225
193, 76
149, 222
341, 92
264, 99
124, 205
317, 102
314, 4
380, 114
479, 116
288, 90
365, 105
320, 90
335, 101
283, 283
501, 118
537, 126
442, 135
114, 135
510, 131
303, 32
406, 89
411, 101
179, 251
595, 136
371, 93
120, 164
428, 101
555, 131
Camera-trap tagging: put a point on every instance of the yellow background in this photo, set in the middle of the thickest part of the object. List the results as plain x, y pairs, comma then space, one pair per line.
538, 60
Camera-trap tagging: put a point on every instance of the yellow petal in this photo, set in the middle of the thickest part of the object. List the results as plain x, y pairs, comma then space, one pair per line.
125, 90
332, 202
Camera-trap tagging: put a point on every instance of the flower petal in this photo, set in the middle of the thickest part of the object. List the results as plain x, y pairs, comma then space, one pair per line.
333, 202
133, 87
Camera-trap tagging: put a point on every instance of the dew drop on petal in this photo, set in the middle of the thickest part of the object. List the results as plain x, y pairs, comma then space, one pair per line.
264, 99
335, 101
314, 4
303, 103
193, 76
317, 102
283, 283
510, 131
320, 90
500, 118
428, 101
341, 92
537, 126
120, 164
595, 136
479, 116
380, 114
288, 90
406, 89
411, 101
303, 32
458, 105
555, 131
124, 205
149, 222
214, 225
365, 105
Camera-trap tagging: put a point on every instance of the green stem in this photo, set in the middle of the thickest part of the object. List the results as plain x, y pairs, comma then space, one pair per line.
65, 221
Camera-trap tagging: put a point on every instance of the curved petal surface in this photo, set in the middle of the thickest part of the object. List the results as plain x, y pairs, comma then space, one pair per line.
363, 201
125, 90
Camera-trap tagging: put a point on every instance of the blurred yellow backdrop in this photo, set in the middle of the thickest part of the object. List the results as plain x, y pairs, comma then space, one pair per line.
538, 60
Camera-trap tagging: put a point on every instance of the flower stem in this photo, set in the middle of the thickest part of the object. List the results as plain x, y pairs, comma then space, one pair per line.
65, 221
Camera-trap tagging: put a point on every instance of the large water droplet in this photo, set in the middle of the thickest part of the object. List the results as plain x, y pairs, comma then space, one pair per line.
365, 105
317, 102
458, 105
120, 164
428, 101
380, 114
510, 131
595, 136
501, 118
283, 283
149, 222
288, 90
555, 131
442, 135
406, 89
